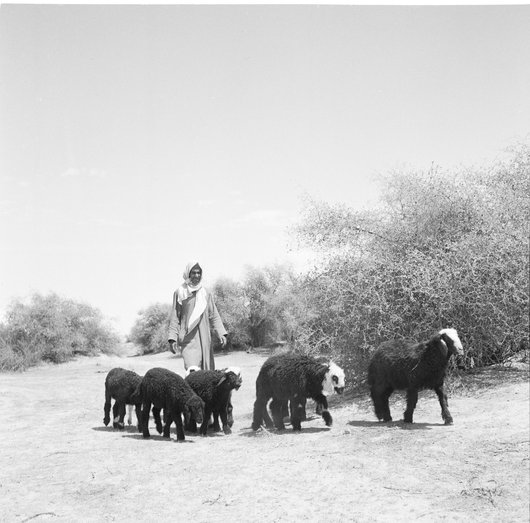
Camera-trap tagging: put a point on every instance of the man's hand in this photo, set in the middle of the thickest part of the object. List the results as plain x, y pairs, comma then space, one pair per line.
223, 341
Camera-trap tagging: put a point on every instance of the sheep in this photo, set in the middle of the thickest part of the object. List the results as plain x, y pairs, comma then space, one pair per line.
294, 377
167, 390
214, 387
318, 406
412, 366
121, 384
229, 406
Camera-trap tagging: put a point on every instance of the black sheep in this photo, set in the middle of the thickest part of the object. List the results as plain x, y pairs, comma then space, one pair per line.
303, 403
294, 377
120, 385
167, 390
215, 388
412, 366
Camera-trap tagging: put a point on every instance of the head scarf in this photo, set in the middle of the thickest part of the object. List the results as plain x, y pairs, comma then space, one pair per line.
186, 290
187, 279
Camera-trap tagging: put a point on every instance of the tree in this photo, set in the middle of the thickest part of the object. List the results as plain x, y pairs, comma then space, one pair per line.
150, 330
442, 250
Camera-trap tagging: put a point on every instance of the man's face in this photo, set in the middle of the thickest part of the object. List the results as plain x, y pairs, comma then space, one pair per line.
195, 276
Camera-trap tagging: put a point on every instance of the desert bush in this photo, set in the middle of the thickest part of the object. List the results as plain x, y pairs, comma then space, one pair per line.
261, 309
150, 330
231, 304
51, 328
442, 250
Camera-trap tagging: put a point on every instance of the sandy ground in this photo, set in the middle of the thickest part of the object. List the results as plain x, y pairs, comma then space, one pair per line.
58, 462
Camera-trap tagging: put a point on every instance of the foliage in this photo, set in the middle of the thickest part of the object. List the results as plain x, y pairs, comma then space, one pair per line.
442, 250
260, 310
54, 329
231, 303
151, 328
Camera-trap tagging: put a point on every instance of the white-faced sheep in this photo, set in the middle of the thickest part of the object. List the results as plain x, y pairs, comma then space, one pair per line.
294, 377
167, 390
412, 366
214, 387
120, 385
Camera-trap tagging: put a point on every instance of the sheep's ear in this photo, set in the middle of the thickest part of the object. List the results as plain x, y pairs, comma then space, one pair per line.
443, 342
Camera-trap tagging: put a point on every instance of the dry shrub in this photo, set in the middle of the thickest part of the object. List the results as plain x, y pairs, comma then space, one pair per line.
150, 331
442, 251
51, 328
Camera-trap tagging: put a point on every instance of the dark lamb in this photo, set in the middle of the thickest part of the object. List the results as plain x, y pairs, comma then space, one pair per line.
120, 385
167, 390
292, 378
412, 366
215, 388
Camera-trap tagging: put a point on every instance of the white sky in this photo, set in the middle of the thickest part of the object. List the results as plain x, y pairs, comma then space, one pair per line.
134, 138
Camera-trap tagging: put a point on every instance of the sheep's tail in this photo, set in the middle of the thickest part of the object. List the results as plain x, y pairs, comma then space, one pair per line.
106, 407
136, 396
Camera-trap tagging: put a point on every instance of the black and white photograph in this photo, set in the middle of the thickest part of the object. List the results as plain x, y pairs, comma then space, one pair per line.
264, 262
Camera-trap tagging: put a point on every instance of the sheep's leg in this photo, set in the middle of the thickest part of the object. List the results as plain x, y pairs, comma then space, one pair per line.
122, 412
285, 410
177, 418
266, 418
260, 413
302, 408
376, 400
326, 415
204, 426
215, 414
297, 409
380, 400
442, 398
189, 422
276, 407
138, 410
229, 414
115, 414
224, 420
129, 414
146, 409
168, 419
412, 400
158, 421
229, 410
216, 427
118, 412
106, 409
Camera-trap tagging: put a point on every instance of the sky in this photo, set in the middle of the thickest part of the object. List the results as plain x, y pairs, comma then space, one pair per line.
135, 138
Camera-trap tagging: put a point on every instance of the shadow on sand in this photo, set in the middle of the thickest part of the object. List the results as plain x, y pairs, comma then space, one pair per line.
110, 428
392, 424
158, 438
249, 433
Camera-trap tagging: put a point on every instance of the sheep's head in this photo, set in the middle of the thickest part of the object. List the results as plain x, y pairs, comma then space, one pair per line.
232, 376
194, 409
334, 380
451, 339
191, 368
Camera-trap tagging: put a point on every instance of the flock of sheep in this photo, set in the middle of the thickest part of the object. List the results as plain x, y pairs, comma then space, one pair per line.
286, 380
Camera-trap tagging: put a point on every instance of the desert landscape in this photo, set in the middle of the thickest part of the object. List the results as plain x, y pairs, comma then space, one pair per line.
60, 463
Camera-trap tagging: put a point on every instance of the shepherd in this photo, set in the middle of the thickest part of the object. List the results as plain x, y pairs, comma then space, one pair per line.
193, 314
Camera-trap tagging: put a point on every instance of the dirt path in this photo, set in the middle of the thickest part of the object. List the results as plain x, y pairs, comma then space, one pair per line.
59, 463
